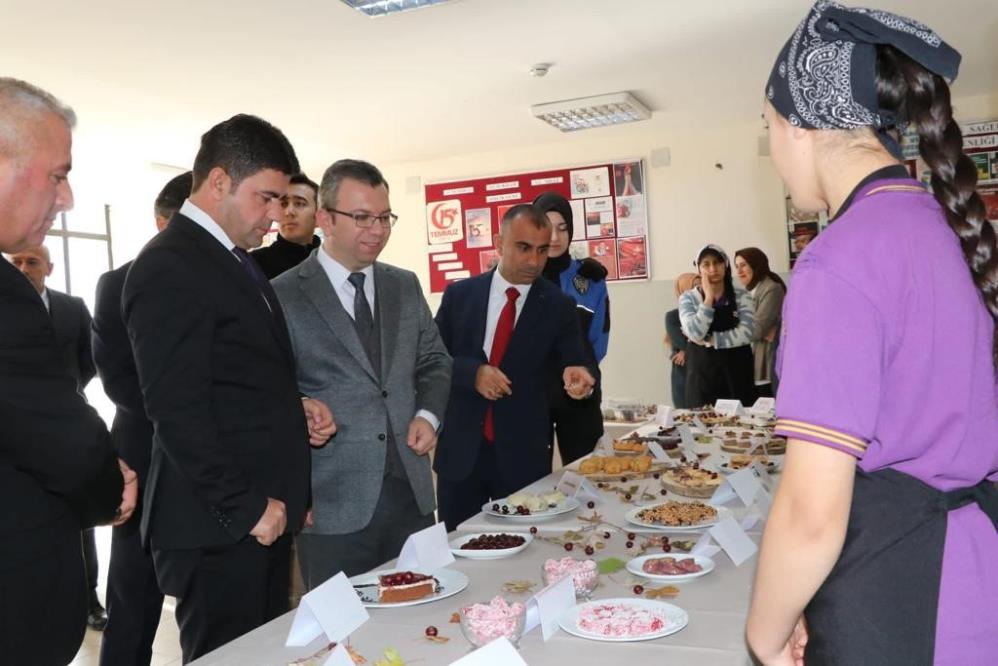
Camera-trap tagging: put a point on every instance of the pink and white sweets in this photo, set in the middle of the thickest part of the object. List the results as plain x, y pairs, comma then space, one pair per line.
620, 620
483, 623
584, 574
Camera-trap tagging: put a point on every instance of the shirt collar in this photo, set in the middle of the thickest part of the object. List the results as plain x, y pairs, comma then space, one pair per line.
500, 285
337, 272
205, 221
45, 298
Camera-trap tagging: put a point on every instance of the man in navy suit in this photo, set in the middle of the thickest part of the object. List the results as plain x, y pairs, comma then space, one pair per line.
505, 330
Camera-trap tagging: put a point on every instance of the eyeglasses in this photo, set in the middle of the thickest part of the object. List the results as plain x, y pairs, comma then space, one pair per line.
366, 220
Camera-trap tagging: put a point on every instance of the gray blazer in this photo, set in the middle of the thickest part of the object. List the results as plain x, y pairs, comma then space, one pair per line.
768, 295
332, 366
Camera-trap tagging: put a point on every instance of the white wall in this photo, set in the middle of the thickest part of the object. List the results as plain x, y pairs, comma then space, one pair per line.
690, 202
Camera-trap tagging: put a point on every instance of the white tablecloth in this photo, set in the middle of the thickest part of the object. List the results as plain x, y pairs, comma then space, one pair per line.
717, 604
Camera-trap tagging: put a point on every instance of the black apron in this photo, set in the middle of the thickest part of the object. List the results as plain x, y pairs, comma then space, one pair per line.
879, 603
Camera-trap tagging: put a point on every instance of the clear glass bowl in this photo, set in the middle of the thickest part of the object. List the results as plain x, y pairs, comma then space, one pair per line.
585, 582
479, 631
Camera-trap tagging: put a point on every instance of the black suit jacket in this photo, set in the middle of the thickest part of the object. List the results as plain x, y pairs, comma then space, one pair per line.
546, 336
71, 322
131, 430
218, 381
58, 474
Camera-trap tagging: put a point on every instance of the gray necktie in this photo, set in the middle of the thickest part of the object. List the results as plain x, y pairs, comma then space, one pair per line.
363, 322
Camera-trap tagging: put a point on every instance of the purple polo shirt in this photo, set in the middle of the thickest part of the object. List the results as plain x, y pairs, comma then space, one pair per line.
885, 355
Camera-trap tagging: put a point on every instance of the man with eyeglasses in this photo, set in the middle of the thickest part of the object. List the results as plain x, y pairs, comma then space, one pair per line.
366, 345
296, 238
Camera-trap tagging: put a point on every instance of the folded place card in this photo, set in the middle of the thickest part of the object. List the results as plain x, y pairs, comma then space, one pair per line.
687, 443
426, 550
547, 606
577, 486
763, 475
663, 416
332, 608
729, 407
499, 652
658, 453
743, 484
733, 540
339, 657
764, 406
704, 546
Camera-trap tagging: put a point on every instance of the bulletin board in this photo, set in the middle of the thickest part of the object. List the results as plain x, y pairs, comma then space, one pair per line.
609, 209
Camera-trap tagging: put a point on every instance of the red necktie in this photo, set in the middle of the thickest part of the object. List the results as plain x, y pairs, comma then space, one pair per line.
504, 331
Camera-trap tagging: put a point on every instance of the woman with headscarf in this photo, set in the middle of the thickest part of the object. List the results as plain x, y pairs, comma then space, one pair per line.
718, 320
578, 423
881, 546
767, 289
677, 342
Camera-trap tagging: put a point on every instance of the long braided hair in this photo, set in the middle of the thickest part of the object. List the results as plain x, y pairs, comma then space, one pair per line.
923, 98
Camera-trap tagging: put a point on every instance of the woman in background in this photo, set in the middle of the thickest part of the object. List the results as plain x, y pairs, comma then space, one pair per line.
718, 321
768, 290
882, 542
578, 423
677, 343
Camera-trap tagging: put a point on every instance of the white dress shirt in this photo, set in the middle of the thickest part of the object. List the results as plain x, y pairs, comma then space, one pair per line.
497, 299
204, 220
45, 299
339, 278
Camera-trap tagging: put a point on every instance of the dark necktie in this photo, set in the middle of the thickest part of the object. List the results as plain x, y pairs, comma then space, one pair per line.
363, 321
256, 274
504, 331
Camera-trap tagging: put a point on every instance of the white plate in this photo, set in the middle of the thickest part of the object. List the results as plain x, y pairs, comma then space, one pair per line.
676, 619
451, 582
632, 517
455, 546
564, 506
634, 566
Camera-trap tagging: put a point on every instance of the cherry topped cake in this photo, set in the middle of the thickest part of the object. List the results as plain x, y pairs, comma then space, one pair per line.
402, 586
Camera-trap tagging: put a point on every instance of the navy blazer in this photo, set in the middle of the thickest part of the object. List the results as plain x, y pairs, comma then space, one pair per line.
546, 338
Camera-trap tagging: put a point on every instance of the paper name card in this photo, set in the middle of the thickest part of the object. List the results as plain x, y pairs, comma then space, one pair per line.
663, 416
704, 546
499, 652
578, 486
729, 407
764, 406
426, 550
340, 656
657, 452
332, 608
733, 540
763, 475
548, 605
687, 443
743, 484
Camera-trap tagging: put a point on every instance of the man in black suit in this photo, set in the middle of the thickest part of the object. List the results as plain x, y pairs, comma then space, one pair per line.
505, 330
71, 323
134, 600
296, 238
229, 477
58, 471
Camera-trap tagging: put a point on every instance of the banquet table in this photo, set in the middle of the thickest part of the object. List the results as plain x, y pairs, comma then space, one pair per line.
717, 604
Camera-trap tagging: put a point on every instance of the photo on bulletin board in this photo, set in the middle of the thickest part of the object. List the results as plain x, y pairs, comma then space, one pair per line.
631, 220
487, 260
604, 252
627, 179
599, 217
802, 228
632, 257
590, 183
479, 223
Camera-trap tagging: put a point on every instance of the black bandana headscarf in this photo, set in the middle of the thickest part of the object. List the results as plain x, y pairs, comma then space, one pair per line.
825, 76
547, 202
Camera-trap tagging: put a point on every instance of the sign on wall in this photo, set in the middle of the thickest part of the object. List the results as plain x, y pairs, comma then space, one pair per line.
609, 211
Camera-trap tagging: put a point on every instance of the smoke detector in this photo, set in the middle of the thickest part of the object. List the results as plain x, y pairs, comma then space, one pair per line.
540, 70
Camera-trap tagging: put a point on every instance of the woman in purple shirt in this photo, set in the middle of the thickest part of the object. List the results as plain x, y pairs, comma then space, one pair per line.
882, 543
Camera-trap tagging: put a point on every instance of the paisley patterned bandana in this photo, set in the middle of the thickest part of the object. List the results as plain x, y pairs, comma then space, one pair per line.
825, 76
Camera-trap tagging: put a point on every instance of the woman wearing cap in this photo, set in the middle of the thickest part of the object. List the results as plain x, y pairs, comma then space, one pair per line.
768, 290
578, 423
718, 321
883, 534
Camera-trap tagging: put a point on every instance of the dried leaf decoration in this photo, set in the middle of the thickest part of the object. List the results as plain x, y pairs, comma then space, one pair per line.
455, 618
665, 592
437, 639
596, 518
610, 565
518, 586
391, 657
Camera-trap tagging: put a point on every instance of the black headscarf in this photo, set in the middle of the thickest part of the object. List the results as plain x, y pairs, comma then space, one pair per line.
825, 76
549, 201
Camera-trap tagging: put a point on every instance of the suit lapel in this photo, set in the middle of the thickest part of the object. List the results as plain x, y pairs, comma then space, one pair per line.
387, 306
481, 313
315, 286
229, 263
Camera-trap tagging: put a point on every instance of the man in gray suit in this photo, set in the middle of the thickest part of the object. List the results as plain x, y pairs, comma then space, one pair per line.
366, 345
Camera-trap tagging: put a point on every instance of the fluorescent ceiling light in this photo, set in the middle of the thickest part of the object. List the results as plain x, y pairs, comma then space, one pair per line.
587, 112
386, 7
